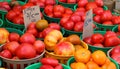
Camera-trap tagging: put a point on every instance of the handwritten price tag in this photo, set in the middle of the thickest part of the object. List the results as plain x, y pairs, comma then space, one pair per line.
31, 14
117, 4
88, 28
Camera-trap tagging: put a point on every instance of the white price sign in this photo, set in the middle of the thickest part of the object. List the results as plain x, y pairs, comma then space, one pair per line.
88, 25
31, 14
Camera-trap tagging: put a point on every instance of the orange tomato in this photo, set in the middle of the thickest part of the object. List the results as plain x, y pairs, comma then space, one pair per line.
82, 55
92, 65
110, 65
99, 57
78, 65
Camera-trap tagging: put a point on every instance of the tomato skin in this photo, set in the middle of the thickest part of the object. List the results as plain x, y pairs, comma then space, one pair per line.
6, 54
91, 5
63, 20
10, 15
98, 11
82, 3
46, 67
106, 15
109, 34
75, 18
68, 11
63, 1
116, 20
107, 23
57, 14
97, 19
78, 27
116, 49
49, 61
88, 40
98, 45
111, 41
119, 28
58, 8
69, 25
116, 57
59, 67
50, 2
48, 9
54, 26
27, 5
97, 38
99, 3
71, 1
18, 20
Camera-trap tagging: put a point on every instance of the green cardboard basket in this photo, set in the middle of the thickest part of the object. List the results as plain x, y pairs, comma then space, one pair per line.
67, 4
1, 22
37, 66
108, 54
72, 59
94, 48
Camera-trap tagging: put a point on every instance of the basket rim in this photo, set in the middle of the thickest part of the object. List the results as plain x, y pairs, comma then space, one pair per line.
22, 60
57, 55
104, 25
1, 22
108, 54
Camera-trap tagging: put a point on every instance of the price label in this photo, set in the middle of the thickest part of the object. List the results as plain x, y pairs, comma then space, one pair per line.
88, 28
117, 4
31, 14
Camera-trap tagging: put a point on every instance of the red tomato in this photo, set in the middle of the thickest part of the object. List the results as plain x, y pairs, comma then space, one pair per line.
39, 46
83, 17
33, 31
14, 36
75, 18
31, 25
46, 31
18, 12
27, 38
116, 57
97, 18
97, 38
54, 26
50, 14
50, 2
68, 11
81, 9
25, 51
116, 49
109, 34
106, 15
98, 45
27, 5
11, 15
57, 14
66, 15
116, 20
88, 40
107, 23
91, 5
49, 61
78, 27
82, 3
48, 9
12, 46
18, 20
80, 13
69, 25
71, 1
98, 11
58, 8
99, 3
111, 41
6, 54
40, 4
46, 67
17, 7
63, 1
33, 1
63, 20
59, 67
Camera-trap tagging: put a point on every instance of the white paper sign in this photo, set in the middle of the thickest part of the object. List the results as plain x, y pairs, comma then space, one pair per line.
117, 4
31, 14
88, 28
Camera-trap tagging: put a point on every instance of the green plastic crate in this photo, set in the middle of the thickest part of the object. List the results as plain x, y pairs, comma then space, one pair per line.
94, 48
37, 66
72, 59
